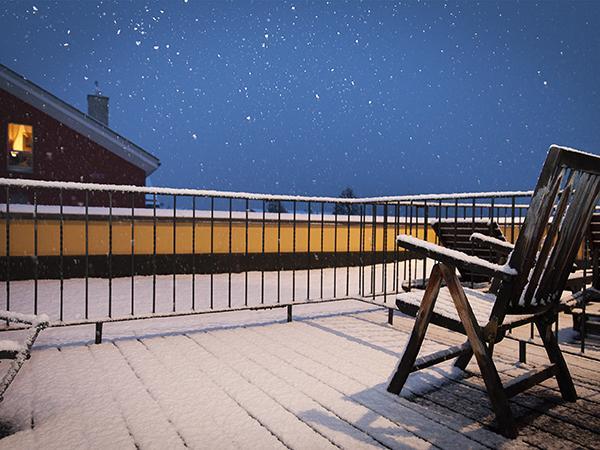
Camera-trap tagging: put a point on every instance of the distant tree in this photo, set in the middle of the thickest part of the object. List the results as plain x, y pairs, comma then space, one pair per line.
275, 206
346, 208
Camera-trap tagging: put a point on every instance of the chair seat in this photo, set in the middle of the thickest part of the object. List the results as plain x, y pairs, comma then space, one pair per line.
444, 312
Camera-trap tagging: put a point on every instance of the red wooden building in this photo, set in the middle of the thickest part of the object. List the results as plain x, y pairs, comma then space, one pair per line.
45, 138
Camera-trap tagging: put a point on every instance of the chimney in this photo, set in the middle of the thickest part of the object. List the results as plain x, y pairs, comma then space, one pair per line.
98, 107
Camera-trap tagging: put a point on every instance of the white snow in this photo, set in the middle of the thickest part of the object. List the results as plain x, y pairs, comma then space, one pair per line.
272, 284
318, 382
460, 256
203, 214
574, 150
237, 380
18, 317
10, 346
253, 196
492, 240
481, 303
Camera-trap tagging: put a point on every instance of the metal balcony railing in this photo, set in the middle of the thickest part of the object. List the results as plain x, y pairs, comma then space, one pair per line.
86, 253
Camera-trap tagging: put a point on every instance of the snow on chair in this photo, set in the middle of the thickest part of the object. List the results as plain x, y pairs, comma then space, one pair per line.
458, 234
530, 288
16, 351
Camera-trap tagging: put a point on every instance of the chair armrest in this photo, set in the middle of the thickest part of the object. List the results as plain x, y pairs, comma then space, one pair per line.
498, 245
455, 258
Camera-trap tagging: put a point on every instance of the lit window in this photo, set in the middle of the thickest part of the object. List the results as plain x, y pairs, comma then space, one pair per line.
20, 147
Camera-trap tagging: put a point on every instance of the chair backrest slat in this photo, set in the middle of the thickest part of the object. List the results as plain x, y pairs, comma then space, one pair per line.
548, 243
558, 217
574, 226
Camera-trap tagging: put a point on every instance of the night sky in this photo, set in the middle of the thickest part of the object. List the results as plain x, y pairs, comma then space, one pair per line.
308, 98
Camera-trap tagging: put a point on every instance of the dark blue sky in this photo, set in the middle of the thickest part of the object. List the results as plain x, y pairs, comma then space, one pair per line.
310, 97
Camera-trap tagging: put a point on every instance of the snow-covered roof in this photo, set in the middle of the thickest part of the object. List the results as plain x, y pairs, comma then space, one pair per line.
85, 125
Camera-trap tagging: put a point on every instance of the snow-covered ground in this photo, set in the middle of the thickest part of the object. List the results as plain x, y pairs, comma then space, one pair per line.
235, 290
248, 379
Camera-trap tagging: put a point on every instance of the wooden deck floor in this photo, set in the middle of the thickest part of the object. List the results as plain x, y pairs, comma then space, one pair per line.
318, 382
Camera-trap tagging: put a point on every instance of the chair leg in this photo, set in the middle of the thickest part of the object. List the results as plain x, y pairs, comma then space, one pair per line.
488, 370
463, 360
418, 333
563, 376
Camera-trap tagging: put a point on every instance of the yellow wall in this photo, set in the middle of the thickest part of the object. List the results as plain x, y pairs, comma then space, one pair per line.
22, 237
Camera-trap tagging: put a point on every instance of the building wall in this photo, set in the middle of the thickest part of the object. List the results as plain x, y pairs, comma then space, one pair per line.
199, 236
61, 154
215, 246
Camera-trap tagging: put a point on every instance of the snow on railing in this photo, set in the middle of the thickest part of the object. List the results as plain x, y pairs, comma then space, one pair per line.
69, 185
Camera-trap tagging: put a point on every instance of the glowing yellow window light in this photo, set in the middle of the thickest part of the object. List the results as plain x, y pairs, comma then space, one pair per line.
20, 146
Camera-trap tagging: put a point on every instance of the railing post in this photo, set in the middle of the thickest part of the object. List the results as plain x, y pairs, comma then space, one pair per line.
174, 254
289, 313
7, 237
523, 352
98, 339
391, 316
110, 252
61, 250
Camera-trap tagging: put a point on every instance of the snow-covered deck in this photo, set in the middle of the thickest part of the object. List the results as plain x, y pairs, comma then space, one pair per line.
250, 380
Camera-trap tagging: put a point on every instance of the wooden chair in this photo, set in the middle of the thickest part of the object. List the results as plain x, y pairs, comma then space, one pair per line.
16, 351
530, 285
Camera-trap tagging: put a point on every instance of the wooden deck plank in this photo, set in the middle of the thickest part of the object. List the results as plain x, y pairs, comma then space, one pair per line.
99, 414
317, 382
545, 416
379, 427
506, 358
506, 350
298, 347
373, 367
582, 369
181, 352
445, 388
17, 411
64, 394
203, 414
147, 421
342, 432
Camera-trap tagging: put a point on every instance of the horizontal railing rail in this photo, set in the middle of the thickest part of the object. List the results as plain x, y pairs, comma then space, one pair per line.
71, 185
